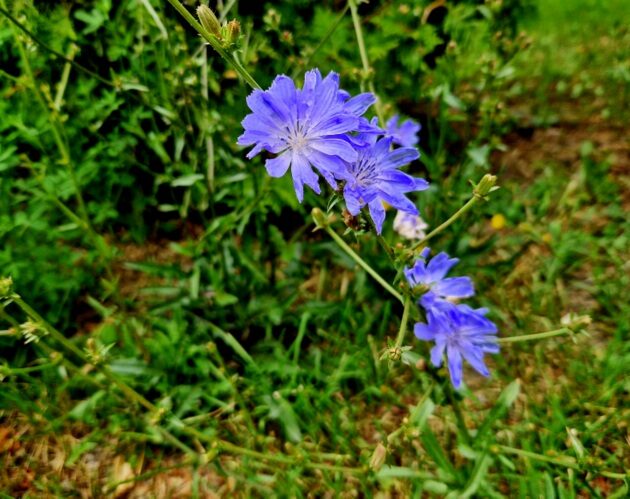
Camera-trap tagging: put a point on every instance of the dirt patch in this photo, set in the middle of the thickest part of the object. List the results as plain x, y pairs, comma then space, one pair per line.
562, 145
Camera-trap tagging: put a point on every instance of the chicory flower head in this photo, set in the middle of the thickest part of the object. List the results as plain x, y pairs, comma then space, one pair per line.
461, 332
307, 128
405, 134
410, 226
431, 276
375, 177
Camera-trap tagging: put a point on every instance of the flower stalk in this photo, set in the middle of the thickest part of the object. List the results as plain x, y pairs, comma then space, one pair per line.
536, 336
322, 223
480, 192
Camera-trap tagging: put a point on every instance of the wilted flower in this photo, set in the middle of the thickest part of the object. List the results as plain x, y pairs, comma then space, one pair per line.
430, 275
461, 332
306, 127
410, 226
405, 134
375, 177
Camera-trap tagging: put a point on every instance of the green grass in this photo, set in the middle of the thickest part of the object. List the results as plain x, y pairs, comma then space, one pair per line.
252, 343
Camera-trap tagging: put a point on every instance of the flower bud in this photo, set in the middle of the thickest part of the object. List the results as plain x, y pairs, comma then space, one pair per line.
209, 20
6, 284
233, 31
378, 457
485, 186
319, 217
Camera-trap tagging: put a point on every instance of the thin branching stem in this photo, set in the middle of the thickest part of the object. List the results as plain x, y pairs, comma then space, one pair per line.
455, 216
536, 336
363, 264
403, 323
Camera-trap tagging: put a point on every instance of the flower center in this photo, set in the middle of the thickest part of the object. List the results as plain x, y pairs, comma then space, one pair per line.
298, 139
365, 171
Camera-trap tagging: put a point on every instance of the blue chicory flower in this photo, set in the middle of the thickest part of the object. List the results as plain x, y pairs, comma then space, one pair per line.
375, 177
461, 332
405, 134
307, 128
431, 275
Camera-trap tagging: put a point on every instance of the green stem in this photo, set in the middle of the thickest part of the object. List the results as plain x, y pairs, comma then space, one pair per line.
469, 204
362, 263
367, 69
403, 323
381, 240
535, 336
214, 43
8, 371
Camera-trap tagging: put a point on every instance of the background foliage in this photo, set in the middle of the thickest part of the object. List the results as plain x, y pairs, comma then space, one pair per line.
204, 282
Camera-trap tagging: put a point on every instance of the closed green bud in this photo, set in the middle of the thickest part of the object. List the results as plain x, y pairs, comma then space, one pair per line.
233, 31
485, 186
6, 284
209, 20
320, 218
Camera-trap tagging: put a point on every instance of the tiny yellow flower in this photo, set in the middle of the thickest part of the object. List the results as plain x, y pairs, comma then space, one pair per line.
497, 222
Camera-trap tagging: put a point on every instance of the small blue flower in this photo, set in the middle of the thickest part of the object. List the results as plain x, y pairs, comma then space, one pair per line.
307, 128
431, 275
375, 177
406, 134
461, 332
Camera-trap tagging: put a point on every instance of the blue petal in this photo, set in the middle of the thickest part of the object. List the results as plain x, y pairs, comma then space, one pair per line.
332, 166
400, 157
333, 124
335, 147
454, 287
277, 167
439, 266
475, 358
263, 111
302, 174
423, 332
404, 182
359, 104
377, 212
421, 184
397, 200
455, 367
353, 200
437, 353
